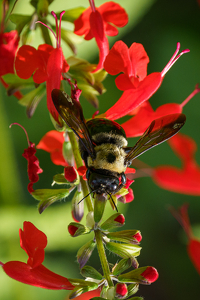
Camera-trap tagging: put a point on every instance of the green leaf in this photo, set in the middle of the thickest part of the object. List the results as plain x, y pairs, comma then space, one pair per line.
32, 99
122, 266
49, 196
71, 15
20, 21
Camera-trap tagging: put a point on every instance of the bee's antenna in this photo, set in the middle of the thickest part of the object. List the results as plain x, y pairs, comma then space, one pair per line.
112, 200
93, 191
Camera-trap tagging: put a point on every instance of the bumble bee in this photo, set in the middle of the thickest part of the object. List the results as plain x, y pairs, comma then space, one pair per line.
103, 143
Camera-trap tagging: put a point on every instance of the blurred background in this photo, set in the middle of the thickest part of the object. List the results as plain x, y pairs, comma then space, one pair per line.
158, 25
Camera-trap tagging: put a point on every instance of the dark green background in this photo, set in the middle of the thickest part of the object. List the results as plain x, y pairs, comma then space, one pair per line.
160, 25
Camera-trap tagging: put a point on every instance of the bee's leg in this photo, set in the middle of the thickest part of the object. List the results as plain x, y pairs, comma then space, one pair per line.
123, 181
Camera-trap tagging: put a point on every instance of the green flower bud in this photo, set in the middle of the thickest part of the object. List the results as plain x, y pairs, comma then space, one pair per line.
122, 266
115, 221
85, 252
77, 206
76, 229
88, 271
126, 236
99, 206
124, 250
132, 289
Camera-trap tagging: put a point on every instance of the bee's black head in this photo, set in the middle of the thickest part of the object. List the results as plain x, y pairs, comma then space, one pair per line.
101, 181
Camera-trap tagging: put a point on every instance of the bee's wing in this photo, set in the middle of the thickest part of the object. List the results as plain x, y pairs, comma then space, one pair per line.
71, 112
159, 131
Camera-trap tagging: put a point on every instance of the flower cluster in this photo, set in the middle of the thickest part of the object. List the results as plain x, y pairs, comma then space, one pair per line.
93, 155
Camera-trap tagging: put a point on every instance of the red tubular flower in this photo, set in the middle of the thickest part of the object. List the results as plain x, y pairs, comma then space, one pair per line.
97, 23
52, 142
47, 64
33, 163
33, 241
185, 180
136, 85
193, 246
143, 117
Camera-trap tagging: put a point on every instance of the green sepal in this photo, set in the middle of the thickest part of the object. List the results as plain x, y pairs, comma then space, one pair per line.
88, 271
122, 266
111, 222
42, 8
134, 276
71, 15
126, 236
99, 207
82, 286
132, 289
124, 250
68, 153
77, 206
34, 3
104, 291
85, 252
71, 39
81, 229
32, 99
16, 83
49, 196
20, 21
59, 179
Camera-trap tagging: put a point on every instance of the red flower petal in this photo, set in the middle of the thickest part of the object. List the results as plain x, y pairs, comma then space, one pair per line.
121, 289
26, 62
8, 47
130, 196
33, 241
194, 253
184, 180
33, 165
39, 276
97, 30
113, 13
72, 229
137, 125
52, 140
131, 99
120, 219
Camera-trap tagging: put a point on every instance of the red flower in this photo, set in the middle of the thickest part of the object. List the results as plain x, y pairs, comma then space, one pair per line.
187, 179
33, 163
33, 241
52, 142
89, 295
97, 23
143, 116
193, 246
136, 85
8, 46
47, 64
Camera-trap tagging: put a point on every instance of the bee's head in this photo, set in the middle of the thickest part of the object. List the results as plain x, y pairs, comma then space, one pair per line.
101, 183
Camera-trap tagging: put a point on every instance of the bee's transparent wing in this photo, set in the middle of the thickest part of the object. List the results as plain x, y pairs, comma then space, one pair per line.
159, 131
71, 112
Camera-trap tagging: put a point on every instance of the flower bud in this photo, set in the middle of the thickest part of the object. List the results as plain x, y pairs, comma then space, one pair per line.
116, 220
71, 174
122, 266
77, 206
68, 152
99, 206
124, 250
132, 289
85, 252
90, 220
121, 290
88, 271
126, 236
76, 229
144, 275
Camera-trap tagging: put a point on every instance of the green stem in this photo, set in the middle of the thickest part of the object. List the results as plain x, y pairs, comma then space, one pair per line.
102, 256
79, 163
